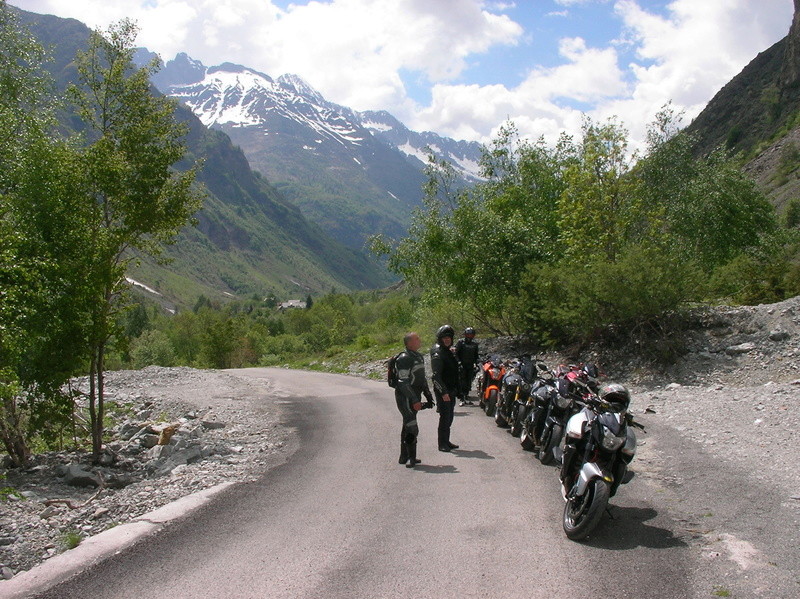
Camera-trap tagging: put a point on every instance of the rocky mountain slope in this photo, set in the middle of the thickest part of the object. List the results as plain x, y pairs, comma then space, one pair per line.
353, 173
757, 114
251, 239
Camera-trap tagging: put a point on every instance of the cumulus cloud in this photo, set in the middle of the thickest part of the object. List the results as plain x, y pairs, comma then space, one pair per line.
362, 53
683, 56
351, 50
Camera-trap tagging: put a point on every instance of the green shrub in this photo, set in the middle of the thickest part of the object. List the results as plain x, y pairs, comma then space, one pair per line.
152, 348
567, 302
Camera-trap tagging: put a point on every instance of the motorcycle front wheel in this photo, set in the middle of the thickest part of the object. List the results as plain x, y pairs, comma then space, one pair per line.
525, 439
516, 425
499, 419
550, 441
582, 514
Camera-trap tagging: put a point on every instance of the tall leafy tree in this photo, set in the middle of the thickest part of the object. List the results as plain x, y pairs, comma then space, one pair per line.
41, 312
135, 199
564, 241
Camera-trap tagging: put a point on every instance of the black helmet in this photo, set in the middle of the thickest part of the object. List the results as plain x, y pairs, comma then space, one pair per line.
617, 395
469, 332
445, 331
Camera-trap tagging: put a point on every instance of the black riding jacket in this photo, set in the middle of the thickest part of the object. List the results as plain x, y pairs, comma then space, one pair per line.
467, 353
411, 381
445, 370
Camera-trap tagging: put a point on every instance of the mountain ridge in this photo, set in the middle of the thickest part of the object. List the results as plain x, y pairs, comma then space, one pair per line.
250, 239
354, 173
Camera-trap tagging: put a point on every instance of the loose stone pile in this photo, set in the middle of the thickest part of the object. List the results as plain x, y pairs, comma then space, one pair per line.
162, 448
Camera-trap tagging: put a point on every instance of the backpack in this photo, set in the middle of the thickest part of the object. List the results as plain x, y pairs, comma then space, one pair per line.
391, 371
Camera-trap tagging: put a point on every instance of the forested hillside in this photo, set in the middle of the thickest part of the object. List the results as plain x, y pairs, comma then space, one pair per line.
249, 240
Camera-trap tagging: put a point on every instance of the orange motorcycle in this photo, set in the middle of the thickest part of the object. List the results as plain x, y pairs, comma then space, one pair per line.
489, 386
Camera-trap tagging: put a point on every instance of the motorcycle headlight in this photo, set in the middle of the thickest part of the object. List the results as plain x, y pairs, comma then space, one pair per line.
611, 442
561, 402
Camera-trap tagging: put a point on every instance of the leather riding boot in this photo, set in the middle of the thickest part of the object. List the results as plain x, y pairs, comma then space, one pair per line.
412, 455
403, 453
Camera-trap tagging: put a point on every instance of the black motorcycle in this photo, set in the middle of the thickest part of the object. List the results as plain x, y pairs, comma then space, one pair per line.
573, 383
542, 394
559, 410
599, 445
513, 405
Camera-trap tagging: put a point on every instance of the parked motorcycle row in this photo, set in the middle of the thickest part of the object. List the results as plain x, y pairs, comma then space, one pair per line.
565, 416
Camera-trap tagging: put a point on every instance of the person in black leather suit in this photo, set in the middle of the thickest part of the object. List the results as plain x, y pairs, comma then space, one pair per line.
444, 365
411, 385
467, 354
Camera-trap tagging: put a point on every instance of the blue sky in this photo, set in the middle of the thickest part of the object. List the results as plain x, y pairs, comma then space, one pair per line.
462, 67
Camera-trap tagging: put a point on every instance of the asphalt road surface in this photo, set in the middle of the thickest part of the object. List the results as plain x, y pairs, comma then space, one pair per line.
341, 518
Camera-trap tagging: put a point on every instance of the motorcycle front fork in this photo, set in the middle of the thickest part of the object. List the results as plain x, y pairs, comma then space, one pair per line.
566, 461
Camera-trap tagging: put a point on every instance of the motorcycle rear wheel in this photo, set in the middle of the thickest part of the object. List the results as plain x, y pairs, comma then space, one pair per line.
582, 514
549, 443
491, 403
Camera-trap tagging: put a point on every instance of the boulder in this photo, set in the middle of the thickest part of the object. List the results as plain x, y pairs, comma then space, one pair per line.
211, 425
742, 348
778, 335
158, 452
77, 476
148, 441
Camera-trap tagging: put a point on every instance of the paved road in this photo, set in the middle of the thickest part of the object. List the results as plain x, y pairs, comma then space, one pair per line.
341, 518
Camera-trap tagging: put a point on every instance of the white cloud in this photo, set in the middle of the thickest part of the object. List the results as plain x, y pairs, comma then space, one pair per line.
358, 53
351, 50
684, 57
540, 105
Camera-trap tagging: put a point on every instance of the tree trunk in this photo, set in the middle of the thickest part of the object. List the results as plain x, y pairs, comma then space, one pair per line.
11, 433
98, 426
93, 404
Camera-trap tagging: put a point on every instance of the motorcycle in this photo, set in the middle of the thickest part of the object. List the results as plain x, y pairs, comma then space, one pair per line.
542, 394
558, 411
489, 385
573, 382
599, 445
514, 395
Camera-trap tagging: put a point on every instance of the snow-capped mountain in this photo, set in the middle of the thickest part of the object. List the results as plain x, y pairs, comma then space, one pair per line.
354, 173
463, 155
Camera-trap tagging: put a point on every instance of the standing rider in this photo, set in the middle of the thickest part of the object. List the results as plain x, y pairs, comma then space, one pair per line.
444, 365
467, 354
411, 384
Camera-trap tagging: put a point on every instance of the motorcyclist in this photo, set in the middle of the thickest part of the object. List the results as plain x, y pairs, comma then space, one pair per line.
411, 385
467, 354
444, 365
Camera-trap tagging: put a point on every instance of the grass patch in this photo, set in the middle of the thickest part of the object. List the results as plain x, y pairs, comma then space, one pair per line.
71, 539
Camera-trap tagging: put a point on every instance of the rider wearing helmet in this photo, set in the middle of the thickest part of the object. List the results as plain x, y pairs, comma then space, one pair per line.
444, 365
467, 354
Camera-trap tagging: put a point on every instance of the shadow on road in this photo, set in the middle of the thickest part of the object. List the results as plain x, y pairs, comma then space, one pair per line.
442, 469
472, 453
625, 529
